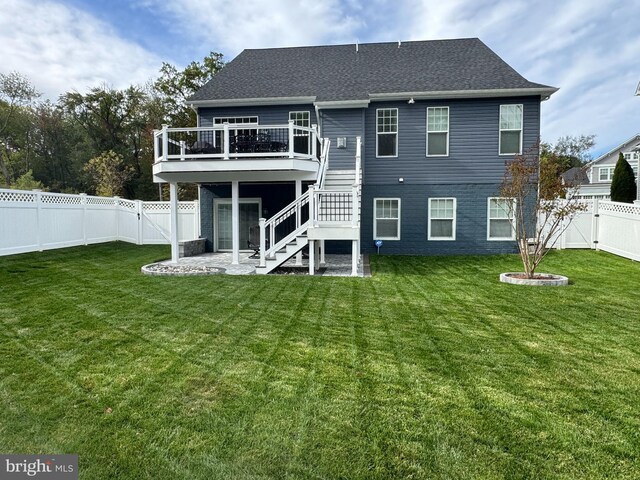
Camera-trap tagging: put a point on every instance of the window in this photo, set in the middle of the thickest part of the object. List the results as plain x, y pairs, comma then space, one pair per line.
233, 127
387, 132
386, 219
510, 129
301, 143
437, 131
500, 218
627, 156
606, 174
442, 219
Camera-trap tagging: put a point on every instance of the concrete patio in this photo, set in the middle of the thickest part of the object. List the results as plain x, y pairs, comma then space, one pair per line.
221, 262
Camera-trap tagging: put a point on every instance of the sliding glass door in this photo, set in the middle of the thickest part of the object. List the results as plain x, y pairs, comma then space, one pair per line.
250, 209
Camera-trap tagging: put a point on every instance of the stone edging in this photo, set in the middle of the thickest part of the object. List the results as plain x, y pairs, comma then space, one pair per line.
179, 270
556, 281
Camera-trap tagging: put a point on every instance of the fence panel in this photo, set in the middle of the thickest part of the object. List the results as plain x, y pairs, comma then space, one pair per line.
619, 229
31, 221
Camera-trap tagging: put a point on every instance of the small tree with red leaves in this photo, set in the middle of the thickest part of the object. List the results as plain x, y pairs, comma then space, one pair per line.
544, 206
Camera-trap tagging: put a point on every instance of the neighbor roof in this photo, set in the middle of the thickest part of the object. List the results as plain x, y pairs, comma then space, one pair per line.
335, 73
576, 176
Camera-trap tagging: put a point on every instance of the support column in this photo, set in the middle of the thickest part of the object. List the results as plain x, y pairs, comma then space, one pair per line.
235, 222
311, 257
355, 254
173, 202
298, 220
322, 259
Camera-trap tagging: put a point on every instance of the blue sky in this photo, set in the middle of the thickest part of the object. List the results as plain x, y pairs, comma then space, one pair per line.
589, 49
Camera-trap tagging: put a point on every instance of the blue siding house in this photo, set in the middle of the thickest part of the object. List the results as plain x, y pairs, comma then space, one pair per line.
337, 147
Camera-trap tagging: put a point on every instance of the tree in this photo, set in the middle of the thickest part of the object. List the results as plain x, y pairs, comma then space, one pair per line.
174, 87
623, 183
544, 204
27, 182
16, 95
570, 151
108, 174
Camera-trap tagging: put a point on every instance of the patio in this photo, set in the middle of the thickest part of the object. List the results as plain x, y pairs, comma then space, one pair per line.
337, 265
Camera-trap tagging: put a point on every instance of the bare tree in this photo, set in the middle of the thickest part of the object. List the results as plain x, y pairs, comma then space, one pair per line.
544, 204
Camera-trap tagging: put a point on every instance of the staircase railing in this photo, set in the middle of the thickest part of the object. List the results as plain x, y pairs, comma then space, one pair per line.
292, 220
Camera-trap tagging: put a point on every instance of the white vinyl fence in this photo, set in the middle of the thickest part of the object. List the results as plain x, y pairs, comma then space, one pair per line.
33, 221
610, 226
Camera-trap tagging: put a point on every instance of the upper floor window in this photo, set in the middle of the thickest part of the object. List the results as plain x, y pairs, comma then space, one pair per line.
606, 174
386, 219
237, 127
510, 129
301, 143
501, 218
442, 219
387, 132
437, 131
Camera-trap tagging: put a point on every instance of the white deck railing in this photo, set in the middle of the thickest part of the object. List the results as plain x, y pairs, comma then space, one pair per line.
230, 141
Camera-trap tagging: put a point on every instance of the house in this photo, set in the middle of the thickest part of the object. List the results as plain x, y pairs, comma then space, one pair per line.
337, 147
599, 173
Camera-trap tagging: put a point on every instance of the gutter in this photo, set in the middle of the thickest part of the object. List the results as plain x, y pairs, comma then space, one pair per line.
544, 92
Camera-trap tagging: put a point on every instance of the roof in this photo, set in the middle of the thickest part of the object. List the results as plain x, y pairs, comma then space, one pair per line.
342, 73
575, 176
632, 144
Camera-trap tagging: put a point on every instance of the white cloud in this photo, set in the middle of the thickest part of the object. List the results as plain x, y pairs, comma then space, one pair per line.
231, 26
61, 48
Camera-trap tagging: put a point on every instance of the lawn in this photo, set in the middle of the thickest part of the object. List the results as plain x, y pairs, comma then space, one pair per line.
429, 369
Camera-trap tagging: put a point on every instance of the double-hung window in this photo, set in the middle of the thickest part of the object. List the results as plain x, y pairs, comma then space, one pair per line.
437, 131
501, 218
510, 129
386, 219
387, 132
442, 219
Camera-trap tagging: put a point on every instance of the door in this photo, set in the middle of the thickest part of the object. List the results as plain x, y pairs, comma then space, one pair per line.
250, 209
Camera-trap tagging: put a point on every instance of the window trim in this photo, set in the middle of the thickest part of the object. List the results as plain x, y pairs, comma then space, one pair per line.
513, 220
375, 218
397, 133
448, 130
453, 220
500, 130
606, 168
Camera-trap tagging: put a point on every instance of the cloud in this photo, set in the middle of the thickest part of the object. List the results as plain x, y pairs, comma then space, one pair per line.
231, 26
61, 48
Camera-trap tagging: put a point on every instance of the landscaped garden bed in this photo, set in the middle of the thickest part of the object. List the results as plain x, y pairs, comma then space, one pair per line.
431, 368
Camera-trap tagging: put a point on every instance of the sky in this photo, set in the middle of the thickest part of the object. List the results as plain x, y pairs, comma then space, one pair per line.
590, 49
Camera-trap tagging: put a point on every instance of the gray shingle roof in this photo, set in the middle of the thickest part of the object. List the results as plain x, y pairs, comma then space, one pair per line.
338, 72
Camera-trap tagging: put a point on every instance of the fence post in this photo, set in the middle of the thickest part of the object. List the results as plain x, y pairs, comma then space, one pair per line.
38, 217
263, 241
196, 219
139, 211
291, 134
116, 204
595, 224
83, 202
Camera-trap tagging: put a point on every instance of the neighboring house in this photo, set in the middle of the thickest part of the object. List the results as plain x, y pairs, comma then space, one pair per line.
599, 172
400, 142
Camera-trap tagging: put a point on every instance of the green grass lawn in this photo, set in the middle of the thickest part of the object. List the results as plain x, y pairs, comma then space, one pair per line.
429, 369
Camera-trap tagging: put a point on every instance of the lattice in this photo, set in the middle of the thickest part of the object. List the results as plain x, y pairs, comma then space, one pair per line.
99, 201
21, 197
618, 207
52, 199
128, 204
156, 207
186, 206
